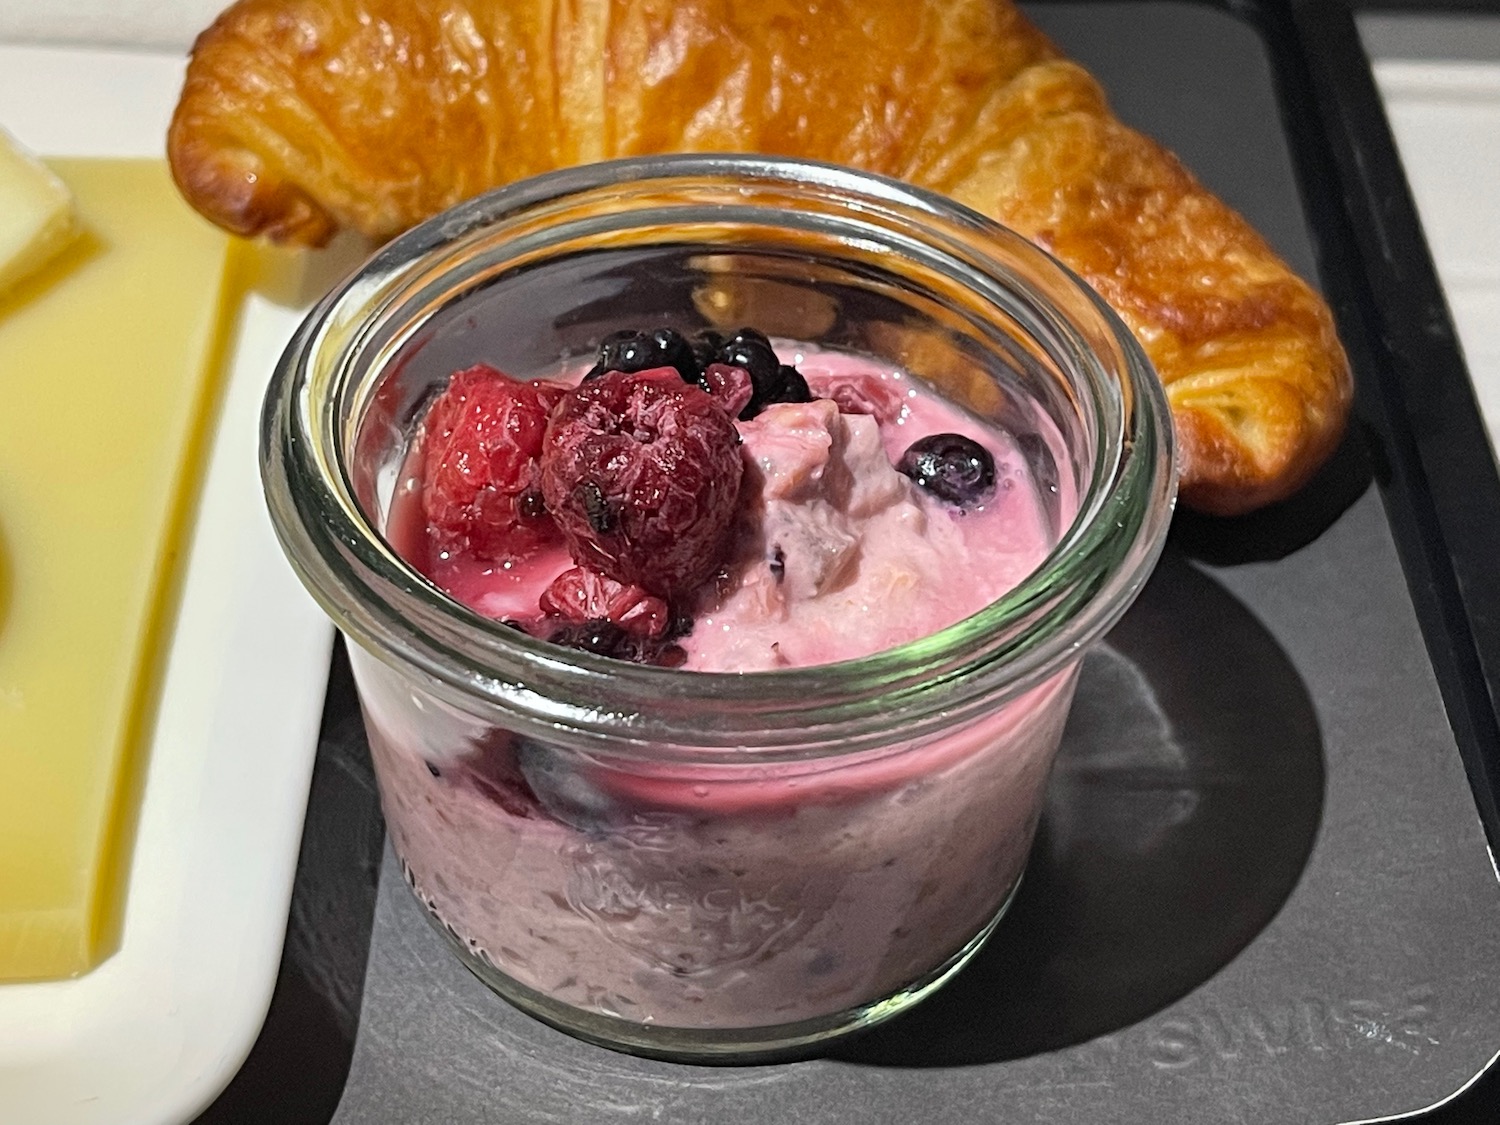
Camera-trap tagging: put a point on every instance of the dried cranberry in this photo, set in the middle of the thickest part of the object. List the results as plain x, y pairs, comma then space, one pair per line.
482, 437
641, 472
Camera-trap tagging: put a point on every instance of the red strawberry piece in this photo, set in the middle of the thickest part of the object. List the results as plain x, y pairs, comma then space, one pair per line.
641, 472
581, 595
483, 436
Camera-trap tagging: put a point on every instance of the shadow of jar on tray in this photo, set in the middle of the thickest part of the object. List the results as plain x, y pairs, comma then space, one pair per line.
1181, 812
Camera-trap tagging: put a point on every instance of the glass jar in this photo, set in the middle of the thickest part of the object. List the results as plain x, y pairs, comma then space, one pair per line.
716, 866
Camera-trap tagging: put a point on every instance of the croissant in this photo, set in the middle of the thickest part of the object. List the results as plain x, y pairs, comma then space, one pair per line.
300, 117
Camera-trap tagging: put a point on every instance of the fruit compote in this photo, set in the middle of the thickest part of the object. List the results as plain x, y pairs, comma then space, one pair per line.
716, 516
704, 505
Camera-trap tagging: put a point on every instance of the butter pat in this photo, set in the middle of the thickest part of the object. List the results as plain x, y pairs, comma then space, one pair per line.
37, 218
111, 383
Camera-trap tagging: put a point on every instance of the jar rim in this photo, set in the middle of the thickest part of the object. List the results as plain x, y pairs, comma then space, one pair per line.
1092, 574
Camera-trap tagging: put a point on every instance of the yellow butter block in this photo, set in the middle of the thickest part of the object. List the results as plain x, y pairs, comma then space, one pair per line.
36, 213
109, 370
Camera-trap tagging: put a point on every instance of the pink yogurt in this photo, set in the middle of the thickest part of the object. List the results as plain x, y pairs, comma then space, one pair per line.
745, 895
836, 555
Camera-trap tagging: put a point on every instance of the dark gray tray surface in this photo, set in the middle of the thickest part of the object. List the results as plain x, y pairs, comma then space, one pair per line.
1261, 895
1261, 892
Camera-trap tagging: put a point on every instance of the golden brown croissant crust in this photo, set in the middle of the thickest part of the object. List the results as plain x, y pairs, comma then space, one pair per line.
300, 117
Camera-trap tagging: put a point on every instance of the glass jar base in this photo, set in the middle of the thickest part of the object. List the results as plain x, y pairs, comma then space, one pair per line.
720, 1046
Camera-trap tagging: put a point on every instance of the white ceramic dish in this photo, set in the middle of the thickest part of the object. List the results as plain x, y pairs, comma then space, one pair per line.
156, 1032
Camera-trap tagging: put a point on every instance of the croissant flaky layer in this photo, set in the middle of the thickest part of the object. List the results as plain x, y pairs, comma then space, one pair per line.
301, 117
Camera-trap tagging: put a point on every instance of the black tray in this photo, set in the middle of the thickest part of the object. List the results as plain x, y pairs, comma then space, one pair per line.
1261, 881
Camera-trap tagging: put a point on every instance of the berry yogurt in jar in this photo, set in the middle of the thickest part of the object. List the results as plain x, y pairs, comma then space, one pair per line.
717, 539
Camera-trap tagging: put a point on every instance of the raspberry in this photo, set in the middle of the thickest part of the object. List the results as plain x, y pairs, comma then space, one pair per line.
483, 437
641, 472
581, 595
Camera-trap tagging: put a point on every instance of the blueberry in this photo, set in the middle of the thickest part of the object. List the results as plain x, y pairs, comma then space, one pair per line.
706, 345
955, 469
631, 351
791, 386
771, 380
751, 350
563, 787
602, 638
605, 638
